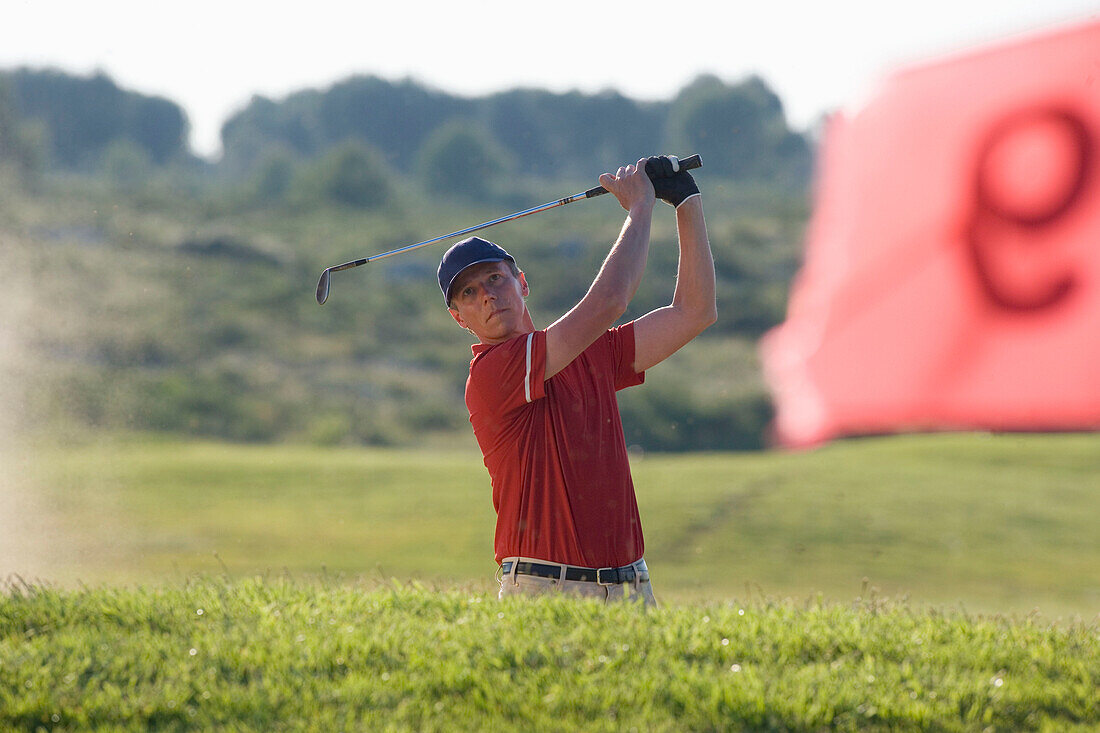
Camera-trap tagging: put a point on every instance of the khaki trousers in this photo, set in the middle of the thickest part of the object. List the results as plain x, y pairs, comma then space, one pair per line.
513, 584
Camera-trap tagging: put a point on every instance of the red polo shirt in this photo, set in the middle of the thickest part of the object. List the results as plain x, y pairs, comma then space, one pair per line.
555, 449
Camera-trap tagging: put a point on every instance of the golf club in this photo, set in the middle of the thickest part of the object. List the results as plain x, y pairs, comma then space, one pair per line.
689, 163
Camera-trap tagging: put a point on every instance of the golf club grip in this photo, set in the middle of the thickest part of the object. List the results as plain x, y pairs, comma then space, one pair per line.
686, 164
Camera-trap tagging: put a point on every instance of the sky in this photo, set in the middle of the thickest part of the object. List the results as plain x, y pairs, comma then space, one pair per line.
212, 57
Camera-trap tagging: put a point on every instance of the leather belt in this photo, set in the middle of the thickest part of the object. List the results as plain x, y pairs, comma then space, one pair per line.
601, 576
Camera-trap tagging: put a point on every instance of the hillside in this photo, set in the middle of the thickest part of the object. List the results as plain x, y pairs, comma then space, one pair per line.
152, 310
151, 292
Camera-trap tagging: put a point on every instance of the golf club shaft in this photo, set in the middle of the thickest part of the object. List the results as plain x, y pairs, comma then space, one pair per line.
469, 230
689, 163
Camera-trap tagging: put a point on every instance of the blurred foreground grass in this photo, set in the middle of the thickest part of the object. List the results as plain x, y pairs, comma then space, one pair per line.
281, 655
1001, 523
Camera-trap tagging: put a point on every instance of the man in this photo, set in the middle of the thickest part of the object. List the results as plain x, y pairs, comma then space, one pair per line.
542, 402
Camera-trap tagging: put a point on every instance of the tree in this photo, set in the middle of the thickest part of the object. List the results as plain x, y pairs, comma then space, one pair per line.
352, 174
263, 124
22, 143
9, 123
395, 117
573, 134
82, 117
158, 126
461, 160
274, 176
740, 130
126, 164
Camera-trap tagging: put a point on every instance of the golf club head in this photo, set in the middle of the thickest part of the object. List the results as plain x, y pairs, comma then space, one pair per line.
322, 287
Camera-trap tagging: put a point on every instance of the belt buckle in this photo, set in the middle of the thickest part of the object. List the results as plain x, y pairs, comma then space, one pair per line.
600, 582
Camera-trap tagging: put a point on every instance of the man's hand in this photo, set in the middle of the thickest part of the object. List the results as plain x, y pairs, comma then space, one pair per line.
631, 186
672, 187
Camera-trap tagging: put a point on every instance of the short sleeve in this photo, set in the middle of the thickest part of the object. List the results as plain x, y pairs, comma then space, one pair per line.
621, 340
508, 375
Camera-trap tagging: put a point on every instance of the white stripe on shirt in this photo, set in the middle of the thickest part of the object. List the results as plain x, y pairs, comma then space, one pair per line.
527, 377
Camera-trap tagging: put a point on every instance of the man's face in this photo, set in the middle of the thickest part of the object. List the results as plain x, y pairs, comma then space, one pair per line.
488, 299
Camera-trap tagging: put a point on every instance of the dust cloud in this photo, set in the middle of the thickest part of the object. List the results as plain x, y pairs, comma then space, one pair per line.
29, 548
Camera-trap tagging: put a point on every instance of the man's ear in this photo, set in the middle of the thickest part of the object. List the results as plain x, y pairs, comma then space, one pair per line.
458, 319
524, 289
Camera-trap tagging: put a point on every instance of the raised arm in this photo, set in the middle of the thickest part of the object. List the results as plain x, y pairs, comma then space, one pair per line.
615, 284
660, 333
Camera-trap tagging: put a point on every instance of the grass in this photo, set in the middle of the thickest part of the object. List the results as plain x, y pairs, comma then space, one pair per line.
207, 586
272, 654
994, 523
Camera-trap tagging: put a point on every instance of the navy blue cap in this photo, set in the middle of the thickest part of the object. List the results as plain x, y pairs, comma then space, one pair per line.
471, 251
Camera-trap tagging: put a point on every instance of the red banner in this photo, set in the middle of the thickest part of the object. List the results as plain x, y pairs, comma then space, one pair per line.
952, 267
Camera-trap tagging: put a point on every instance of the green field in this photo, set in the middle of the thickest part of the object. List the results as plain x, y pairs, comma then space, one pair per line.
988, 523
282, 655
